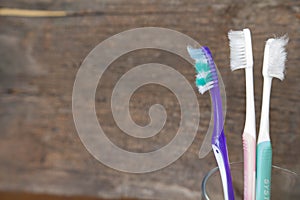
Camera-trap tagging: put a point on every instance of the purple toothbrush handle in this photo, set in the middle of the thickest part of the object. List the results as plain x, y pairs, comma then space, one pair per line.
221, 154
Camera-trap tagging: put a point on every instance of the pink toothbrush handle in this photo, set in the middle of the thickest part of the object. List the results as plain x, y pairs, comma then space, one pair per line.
249, 145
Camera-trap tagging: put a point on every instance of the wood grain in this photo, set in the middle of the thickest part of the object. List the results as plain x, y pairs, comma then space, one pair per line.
40, 150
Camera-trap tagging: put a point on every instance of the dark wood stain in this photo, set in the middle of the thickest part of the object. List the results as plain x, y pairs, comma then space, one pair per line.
39, 58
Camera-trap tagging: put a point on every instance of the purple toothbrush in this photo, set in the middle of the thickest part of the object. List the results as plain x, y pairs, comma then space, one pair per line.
207, 79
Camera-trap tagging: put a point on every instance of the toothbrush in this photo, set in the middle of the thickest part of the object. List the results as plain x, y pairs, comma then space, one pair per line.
241, 57
273, 67
207, 79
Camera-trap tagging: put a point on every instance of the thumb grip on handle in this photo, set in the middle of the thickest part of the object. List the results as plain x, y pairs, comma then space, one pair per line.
249, 146
221, 154
264, 168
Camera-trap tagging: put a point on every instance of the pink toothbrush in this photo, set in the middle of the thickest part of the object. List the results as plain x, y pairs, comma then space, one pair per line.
241, 57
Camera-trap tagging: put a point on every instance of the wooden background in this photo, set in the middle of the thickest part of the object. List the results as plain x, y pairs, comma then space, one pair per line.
40, 150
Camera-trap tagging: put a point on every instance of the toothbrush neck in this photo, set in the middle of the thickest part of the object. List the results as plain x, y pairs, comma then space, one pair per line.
218, 112
264, 120
250, 106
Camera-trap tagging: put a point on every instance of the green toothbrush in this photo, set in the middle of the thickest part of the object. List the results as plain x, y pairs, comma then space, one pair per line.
273, 67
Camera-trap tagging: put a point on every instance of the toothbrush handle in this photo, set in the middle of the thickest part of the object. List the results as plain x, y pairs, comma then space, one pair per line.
221, 154
249, 146
264, 167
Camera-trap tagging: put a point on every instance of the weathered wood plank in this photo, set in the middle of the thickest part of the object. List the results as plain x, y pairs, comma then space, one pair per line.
40, 150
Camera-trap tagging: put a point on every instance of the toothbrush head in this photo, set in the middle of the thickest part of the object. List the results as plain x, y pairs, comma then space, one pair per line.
240, 49
275, 57
206, 77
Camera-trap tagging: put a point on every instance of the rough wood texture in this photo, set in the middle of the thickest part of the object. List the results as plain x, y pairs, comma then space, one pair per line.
40, 150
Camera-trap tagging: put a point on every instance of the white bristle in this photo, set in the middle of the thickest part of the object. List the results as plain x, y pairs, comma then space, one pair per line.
199, 55
277, 57
207, 86
237, 45
203, 89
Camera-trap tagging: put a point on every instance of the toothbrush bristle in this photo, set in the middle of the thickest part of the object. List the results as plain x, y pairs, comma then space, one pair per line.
277, 57
237, 45
206, 77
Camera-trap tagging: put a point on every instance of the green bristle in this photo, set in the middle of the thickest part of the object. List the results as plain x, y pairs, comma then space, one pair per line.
204, 71
201, 67
200, 82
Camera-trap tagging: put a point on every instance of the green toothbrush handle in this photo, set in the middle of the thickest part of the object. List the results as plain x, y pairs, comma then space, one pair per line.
263, 170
